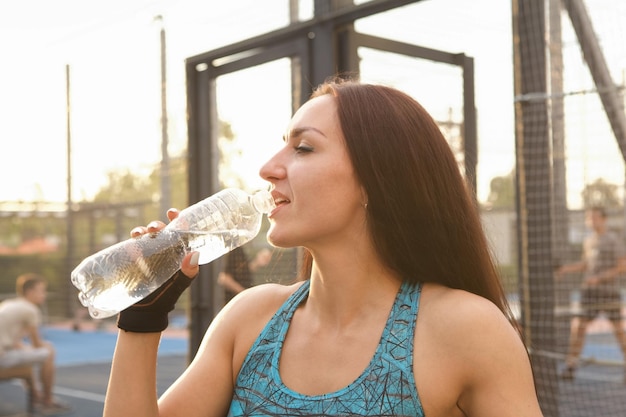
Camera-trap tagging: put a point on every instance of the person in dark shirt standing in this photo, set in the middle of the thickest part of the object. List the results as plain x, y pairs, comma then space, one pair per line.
603, 260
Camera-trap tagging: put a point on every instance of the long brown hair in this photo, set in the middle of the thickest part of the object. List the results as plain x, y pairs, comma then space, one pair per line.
423, 219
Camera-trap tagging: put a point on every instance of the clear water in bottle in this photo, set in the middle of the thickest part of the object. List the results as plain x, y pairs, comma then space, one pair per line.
127, 272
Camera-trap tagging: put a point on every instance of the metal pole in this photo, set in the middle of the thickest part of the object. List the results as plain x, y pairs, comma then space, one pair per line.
166, 194
592, 51
69, 257
534, 199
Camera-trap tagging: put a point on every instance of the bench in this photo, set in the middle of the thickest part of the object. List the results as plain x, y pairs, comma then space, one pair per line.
25, 373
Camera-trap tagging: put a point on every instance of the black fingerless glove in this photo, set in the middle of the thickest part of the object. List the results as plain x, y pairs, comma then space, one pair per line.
150, 314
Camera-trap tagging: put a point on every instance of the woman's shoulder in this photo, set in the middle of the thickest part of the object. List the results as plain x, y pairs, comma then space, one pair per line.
440, 296
239, 323
467, 343
469, 328
459, 317
268, 294
256, 305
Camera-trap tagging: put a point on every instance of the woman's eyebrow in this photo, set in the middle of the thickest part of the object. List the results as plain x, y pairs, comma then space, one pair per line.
298, 131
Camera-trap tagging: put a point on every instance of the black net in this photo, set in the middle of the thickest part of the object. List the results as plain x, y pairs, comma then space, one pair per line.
570, 170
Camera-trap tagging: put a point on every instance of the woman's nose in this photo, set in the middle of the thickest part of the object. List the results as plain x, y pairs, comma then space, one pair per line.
273, 169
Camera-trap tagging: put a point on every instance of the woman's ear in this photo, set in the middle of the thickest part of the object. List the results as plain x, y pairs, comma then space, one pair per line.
364, 198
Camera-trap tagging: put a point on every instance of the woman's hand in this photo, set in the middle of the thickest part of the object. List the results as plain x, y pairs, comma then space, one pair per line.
189, 266
150, 314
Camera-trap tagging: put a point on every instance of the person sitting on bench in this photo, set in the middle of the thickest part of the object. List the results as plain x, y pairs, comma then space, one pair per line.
21, 342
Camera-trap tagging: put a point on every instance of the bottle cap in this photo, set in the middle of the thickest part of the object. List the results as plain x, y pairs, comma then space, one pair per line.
262, 201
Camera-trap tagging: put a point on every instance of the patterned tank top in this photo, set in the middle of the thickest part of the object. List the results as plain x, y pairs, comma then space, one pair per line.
385, 388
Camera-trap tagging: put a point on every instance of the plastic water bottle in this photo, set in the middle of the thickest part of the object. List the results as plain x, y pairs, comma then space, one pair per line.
122, 274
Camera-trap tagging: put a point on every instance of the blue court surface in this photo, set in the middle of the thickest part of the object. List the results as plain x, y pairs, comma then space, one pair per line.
74, 348
83, 361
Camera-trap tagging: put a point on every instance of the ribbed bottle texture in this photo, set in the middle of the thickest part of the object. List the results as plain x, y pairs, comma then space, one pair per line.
122, 274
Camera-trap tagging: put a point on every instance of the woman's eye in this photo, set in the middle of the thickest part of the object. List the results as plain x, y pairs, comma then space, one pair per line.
303, 149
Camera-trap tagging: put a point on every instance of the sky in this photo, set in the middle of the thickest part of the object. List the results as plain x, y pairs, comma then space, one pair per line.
112, 51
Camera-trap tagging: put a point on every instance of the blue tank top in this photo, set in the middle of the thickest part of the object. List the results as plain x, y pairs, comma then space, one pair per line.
385, 388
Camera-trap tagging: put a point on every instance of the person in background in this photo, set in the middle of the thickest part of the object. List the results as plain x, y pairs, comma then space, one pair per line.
237, 273
20, 319
603, 260
398, 310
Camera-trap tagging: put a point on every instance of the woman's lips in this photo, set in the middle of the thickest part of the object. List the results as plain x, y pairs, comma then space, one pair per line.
279, 200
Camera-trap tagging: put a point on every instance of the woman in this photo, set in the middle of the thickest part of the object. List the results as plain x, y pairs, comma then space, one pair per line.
400, 311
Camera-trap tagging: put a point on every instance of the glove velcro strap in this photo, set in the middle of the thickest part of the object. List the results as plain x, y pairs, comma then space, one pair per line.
142, 321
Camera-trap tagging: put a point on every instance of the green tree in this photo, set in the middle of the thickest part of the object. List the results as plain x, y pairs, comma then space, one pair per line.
127, 187
179, 185
122, 187
601, 193
502, 191
229, 150
179, 170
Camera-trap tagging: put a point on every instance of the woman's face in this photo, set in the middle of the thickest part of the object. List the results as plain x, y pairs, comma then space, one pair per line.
318, 198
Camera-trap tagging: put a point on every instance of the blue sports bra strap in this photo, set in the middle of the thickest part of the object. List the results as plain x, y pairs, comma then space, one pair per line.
397, 338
